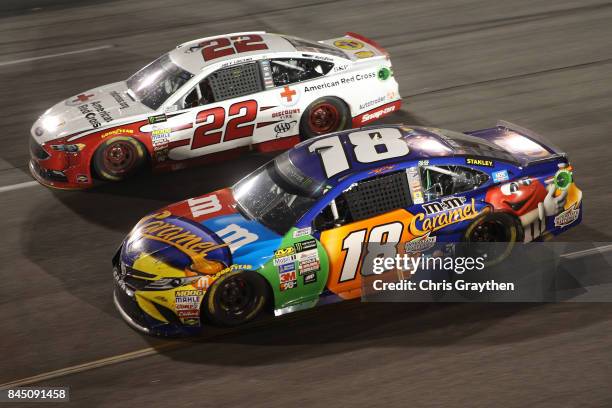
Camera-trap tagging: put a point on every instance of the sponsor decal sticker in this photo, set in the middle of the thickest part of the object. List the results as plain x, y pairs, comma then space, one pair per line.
348, 80
384, 73
441, 214
348, 44
281, 252
290, 267
157, 118
117, 132
204, 282
372, 102
499, 176
567, 217
102, 112
309, 266
284, 260
479, 162
166, 228
119, 99
286, 114
289, 96
364, 54
80, 99
301, 232
90, 116
288, 280
187, 303
420, 244
284, 127
305, 245
382, 169
310, 278
563, 178
377, 114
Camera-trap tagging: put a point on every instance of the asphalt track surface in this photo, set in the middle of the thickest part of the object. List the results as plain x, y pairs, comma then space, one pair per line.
546, 65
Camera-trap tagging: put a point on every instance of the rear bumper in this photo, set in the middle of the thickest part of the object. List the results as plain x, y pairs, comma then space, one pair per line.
376, 113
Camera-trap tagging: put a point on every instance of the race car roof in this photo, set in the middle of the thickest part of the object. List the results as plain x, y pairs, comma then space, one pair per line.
191, 56
423, 143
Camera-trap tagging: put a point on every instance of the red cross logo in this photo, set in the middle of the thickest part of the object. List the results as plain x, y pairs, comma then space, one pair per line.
82, 98
288, 93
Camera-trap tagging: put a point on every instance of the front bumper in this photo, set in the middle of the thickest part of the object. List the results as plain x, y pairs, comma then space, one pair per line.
56, 169
136, 318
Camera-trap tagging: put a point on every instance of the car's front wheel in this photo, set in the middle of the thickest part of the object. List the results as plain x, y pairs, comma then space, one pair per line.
325, 115
236, 298
118, 158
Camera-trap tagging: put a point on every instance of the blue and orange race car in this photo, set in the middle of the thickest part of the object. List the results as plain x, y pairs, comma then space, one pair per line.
295, 233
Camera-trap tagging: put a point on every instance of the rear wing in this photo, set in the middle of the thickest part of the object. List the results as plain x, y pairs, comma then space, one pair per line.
357, 47
527, 146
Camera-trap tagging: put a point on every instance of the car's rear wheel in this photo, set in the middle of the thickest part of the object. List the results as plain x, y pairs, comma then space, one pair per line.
236, 298
493, 236
118, 158
325, 115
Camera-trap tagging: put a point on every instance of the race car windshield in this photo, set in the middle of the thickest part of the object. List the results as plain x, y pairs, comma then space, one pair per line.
156, 82
277, 194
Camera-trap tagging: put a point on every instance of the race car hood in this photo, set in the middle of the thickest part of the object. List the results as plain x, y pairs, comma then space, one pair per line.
89, 110
184, 239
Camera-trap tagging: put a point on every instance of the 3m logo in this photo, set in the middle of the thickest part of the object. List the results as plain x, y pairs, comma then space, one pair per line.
204, 205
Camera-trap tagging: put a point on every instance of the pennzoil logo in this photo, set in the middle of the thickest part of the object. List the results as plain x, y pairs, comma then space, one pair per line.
441, 214
282, 252
348, 44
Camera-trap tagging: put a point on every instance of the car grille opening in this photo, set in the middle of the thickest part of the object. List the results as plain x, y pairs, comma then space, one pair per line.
37, 151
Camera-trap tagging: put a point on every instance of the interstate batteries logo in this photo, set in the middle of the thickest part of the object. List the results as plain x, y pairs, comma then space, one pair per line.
441, 214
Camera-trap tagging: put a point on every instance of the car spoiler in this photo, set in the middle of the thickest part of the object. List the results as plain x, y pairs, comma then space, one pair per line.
527, 146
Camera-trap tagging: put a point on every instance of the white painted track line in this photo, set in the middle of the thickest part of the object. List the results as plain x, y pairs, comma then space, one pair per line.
587, 252
92, 365
18, 186
19, 61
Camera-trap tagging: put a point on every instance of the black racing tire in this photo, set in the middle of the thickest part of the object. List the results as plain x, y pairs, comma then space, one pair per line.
235, 298
325, 115
494, 234
118, 158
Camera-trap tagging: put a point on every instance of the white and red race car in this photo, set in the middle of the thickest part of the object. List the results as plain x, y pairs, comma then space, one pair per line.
209, 97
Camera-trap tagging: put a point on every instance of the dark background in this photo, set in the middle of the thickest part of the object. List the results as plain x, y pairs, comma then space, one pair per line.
546, 65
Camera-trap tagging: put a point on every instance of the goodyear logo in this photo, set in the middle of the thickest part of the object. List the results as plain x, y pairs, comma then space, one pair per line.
479, 162
117, 132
